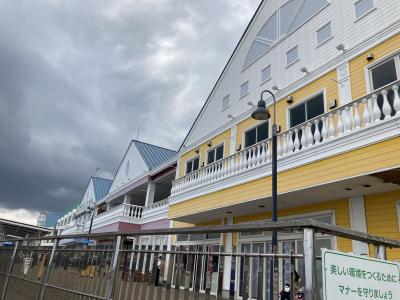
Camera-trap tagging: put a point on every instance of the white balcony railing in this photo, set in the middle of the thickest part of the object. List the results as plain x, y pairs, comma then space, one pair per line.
369, 110
154, 209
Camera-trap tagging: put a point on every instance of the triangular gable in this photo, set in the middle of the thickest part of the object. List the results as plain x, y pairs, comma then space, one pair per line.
271, 23
131, 166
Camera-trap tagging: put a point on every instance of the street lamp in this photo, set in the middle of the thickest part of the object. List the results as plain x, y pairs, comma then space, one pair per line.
262, 113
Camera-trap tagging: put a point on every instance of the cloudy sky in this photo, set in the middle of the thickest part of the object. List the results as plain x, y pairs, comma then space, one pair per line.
78, 78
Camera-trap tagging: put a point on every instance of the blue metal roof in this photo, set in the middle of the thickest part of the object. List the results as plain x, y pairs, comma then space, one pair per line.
101, 187
153, 155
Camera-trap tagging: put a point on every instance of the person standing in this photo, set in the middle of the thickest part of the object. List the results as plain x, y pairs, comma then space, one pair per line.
285, 293
158, 271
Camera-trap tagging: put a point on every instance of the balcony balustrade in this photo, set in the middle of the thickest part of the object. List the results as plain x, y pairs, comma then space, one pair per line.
370, 110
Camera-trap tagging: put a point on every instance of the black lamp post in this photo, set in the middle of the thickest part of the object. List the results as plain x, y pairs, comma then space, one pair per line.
262, 113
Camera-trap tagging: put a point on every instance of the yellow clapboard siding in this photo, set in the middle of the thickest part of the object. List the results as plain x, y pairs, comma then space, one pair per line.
219, 139
357, 65
364, 160
382, 219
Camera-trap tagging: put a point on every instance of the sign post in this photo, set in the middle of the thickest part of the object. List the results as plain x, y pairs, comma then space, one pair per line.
350, 277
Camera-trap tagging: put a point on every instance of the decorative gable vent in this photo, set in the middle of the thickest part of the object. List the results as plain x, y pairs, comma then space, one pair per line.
285, 20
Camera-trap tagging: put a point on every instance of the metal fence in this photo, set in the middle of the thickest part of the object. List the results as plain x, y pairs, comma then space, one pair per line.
186, 263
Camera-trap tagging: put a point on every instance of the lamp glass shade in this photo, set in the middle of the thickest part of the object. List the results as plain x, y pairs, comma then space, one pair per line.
261, 112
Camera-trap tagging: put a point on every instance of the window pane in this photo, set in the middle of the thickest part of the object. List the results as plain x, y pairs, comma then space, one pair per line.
315, 106
324, 33
219, 152
363, 7
250, 137
244, 89
292, 55
189, 165
266, 74
384, 74
195, 164
262, 132
210, 156
298, 115
225, 101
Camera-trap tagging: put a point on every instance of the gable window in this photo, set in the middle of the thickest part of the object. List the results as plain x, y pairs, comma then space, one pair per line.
307, 110
363, 7
192, 165
256, 134
266, 74
324, 33
292, 56
244, 89
225, 102
215, 154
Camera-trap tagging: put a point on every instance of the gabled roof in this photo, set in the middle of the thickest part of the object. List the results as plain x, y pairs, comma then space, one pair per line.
153, 155
100, 187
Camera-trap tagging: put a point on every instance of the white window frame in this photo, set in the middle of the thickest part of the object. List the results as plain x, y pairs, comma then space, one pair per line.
214, 148
323, 91
252, 127
366, 13
296, 60
270, 74
229, 102
191, 160
248, 89
368, 75
327, 39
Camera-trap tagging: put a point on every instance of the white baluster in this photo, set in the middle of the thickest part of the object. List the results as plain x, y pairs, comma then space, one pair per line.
324, 131
396, 100
284, 144
366, 112
376, 112
290, 142
296, 140
340, 126
268, 154
317, 135
357, 119
254, 157
279, 148
241, 161
263, 152
258, 158
386, 109
303, 137
331, 127
246, 157
310, 137
347, 119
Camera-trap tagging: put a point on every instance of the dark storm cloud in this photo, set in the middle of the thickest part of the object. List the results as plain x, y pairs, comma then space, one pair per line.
79, 77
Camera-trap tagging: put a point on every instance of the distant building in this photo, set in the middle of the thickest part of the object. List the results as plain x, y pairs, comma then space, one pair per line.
48, 219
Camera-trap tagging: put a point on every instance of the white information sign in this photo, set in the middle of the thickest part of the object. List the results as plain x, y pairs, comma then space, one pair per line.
351, 277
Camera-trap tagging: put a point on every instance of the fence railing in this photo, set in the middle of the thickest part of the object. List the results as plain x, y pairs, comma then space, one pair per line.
369, 110
152, 264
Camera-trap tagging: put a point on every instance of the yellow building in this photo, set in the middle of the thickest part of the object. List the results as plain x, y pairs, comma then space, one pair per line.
334, 67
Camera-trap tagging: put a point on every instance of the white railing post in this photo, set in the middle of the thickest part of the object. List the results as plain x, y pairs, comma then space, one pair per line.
396, 100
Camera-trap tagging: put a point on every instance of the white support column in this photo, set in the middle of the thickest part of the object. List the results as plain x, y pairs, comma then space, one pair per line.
232, 149
168, 263
151, 189
127, 199
344, 85
227, 261
358, 222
